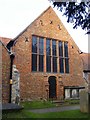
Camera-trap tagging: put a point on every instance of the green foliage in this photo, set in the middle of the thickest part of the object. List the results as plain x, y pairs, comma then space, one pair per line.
25, 113
72, 101
76, 12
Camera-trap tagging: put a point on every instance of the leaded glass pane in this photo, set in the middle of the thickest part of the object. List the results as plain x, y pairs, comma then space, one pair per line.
60, 49
66, 65
61, 63
48, 63
54, 64
41, 45
66, 49
41, 63
34, 44
53, 47
48, 49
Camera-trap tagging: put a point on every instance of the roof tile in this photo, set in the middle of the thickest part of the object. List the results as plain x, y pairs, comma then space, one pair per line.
5, 40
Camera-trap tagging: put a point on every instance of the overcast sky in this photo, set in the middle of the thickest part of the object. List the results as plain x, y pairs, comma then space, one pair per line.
16, 15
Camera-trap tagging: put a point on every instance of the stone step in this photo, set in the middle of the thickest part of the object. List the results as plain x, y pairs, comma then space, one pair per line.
60, 101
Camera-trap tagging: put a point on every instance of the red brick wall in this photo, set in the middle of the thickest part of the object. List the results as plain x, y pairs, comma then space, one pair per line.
5, 75
33, 85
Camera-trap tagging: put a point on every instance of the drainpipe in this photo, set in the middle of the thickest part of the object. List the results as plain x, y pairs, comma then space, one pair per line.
10, 93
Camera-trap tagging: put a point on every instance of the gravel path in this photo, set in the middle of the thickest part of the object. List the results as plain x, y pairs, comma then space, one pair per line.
56, 109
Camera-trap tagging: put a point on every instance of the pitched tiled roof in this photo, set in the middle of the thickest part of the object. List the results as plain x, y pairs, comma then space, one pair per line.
4, 40
86, 61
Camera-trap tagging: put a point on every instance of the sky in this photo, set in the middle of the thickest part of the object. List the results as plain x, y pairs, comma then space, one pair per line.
16, 15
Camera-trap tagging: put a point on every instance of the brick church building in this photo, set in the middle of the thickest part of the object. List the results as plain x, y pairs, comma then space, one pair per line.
47, 59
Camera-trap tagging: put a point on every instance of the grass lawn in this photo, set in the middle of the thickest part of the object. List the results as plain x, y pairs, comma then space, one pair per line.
25, 113
28, 114
37, 104
46, 104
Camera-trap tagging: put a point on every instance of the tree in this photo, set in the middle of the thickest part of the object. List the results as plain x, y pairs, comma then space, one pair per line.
76, 13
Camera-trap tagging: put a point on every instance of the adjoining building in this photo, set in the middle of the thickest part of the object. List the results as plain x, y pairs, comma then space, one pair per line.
5, 64
86, 68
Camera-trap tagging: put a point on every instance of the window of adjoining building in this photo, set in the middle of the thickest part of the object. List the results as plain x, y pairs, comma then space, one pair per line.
72, 93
